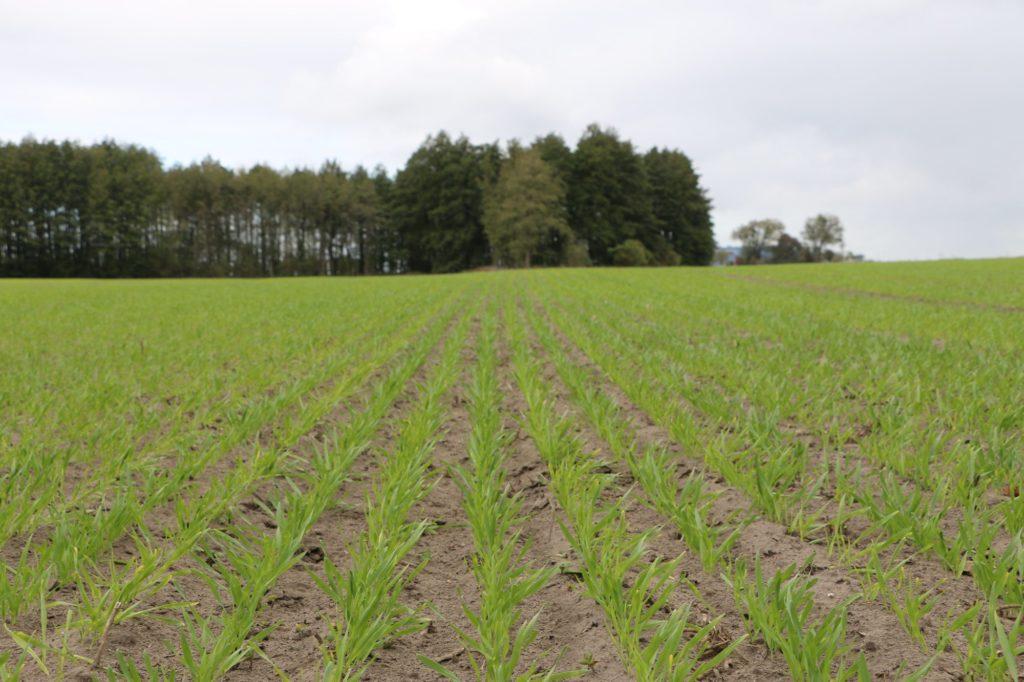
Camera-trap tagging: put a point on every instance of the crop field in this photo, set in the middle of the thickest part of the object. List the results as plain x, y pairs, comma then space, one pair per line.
780, 472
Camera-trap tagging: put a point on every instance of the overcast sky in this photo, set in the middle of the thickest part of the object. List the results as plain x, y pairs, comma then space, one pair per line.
904, 117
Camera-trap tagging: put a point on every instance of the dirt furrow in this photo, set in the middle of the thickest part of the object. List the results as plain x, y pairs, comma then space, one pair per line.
872, 628
752, 660
571, 625
301, 612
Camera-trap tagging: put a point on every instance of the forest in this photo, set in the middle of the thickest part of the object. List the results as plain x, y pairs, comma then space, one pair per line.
114, 210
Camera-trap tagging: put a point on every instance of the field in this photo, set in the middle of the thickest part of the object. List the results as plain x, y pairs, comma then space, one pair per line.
787, 472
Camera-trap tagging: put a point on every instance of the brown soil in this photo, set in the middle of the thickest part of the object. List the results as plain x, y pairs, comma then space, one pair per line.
296, 606
950, 594
752, 660
573, 633
872, 628
295, 629
570, 626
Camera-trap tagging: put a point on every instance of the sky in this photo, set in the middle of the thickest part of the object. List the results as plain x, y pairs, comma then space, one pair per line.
903, 117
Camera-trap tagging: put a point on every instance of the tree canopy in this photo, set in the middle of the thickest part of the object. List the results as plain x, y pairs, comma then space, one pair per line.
114, 210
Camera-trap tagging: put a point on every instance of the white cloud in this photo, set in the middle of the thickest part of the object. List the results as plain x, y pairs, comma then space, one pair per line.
902, 117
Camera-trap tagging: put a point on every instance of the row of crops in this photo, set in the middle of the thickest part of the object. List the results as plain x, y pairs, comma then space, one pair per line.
747, 473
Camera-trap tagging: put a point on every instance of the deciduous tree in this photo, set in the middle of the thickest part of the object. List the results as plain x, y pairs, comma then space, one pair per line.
822, 231
525, 211
756, 236
788, 249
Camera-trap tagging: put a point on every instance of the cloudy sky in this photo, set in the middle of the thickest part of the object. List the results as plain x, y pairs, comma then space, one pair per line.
904, 117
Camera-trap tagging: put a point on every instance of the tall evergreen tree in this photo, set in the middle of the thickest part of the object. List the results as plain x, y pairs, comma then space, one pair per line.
437, 205
680, 207
332, 219
389, 240
556, 153
609, 198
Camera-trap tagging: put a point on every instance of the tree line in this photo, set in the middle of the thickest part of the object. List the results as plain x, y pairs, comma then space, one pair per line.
114, 210
766, 241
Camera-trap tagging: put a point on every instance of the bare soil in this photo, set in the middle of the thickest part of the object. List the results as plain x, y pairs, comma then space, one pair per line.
572, 629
